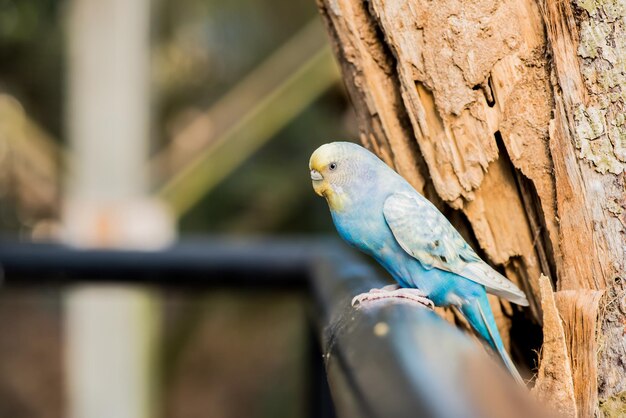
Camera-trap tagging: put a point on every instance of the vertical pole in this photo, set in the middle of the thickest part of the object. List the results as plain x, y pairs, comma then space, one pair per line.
110, 330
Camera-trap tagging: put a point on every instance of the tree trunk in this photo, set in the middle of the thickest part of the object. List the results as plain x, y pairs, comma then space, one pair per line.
512, 113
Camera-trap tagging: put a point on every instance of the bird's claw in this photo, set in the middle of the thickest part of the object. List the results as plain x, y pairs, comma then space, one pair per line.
394, 291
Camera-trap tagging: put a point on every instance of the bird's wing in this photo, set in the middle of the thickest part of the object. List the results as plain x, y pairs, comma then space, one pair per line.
424, 233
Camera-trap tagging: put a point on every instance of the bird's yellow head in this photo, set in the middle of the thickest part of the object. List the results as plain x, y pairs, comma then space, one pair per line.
331, 168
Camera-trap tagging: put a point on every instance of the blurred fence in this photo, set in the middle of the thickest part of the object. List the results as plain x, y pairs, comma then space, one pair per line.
388, 359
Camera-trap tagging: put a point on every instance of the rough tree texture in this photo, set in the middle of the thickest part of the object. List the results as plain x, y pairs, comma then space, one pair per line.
555, 383
512, 112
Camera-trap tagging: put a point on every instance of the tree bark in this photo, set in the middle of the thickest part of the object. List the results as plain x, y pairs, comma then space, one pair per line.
512, 113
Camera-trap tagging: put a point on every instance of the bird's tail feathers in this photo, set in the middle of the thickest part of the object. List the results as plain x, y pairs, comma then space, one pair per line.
495, 337
482, 320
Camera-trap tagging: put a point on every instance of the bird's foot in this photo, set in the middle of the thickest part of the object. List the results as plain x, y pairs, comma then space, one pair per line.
394, 291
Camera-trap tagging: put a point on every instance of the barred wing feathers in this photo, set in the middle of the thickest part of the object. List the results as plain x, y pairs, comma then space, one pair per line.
424, 233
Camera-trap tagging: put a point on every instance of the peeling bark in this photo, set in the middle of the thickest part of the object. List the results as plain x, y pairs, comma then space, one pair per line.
591, 189
555, 383
511, 111
579, 310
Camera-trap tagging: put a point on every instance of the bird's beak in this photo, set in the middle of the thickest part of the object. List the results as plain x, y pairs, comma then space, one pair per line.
316, 176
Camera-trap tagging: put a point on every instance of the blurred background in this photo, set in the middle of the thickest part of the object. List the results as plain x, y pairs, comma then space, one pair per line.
133, 124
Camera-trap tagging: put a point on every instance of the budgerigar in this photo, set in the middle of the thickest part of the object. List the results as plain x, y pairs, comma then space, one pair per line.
377, 211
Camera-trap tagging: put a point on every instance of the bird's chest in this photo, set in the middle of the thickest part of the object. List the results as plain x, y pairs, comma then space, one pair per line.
365, 229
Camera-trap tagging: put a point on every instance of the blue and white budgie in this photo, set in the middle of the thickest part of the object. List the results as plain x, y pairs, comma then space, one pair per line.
377, 211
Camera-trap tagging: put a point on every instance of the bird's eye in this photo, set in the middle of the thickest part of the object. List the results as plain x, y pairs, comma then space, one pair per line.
332, 166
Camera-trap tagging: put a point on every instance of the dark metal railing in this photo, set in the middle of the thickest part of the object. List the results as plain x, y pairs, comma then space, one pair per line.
386, 359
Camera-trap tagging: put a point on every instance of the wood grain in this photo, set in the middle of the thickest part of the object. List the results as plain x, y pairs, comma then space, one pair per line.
555, 384
579, 310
